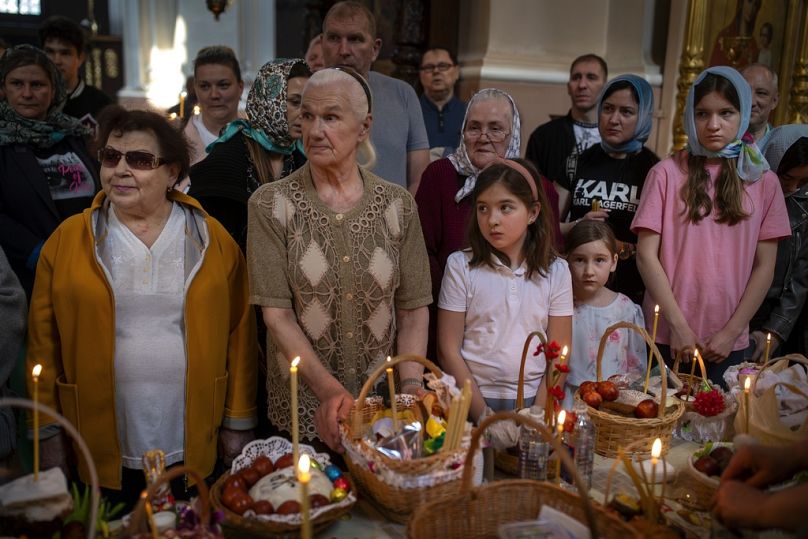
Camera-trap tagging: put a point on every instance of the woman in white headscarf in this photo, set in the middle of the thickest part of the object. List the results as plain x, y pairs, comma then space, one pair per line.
491, 129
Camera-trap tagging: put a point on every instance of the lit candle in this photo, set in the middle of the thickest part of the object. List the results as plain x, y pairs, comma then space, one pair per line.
564, 352
693, 365
768, 347
747, 385
656, 451
35, 373
150, 515
562, 416
183, 94
650, 354
197, 110
172, 116
303, 476
295, 419
391, 384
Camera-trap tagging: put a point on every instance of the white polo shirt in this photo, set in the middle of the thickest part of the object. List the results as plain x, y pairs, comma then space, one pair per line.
502, 307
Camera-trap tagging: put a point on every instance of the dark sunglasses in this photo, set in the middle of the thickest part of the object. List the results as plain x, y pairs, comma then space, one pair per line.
110, 157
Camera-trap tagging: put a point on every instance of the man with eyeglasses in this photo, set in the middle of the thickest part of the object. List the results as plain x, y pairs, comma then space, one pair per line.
398, 133
554, 147
443, 111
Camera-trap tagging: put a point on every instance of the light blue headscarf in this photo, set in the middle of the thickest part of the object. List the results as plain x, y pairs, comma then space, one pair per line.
645, 113
751, 164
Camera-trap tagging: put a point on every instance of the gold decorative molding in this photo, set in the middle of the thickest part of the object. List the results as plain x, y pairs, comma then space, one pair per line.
691, 64
794, 18
798, 102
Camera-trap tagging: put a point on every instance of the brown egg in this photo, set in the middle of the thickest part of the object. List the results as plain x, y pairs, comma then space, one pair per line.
263, 507
646, 409
586, 387
288, 507
263, 465
593, 399
287, 460
250, 476
235, 482
239, 502
318, 500
608, 391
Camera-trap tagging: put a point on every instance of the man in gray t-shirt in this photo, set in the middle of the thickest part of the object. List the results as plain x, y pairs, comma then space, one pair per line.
398, 131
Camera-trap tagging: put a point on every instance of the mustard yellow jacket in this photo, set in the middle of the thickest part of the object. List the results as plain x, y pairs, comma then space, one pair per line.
72, 334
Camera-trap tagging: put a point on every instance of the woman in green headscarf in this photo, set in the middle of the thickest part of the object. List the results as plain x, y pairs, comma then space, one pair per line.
252, 152
46, 172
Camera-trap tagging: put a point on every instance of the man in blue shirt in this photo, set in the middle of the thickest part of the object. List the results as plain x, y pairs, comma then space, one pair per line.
443, 112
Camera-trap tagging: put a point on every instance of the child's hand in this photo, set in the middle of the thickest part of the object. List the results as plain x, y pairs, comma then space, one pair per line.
596, 215
718, 347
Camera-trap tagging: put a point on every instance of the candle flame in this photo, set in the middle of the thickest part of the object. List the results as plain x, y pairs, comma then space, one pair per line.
389, 359
37, 370
183, 94
562, 416
747, 384
303, 464
296, 362
197, 110
564, 351
656, 449
656, 309
172, 116
768, 338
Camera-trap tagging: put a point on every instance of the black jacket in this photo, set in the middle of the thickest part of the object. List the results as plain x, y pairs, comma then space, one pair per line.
28, 214
783, 311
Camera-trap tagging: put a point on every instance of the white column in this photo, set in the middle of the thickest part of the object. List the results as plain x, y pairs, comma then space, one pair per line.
133, 83
257, 41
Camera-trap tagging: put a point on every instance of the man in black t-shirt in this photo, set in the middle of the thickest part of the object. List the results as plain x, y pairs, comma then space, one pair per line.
64, 42
554, 146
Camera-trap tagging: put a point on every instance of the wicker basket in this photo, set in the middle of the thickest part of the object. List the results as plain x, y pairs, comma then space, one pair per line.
138, 524
615, 431
478, 512
282, 526
503, 460
693, 380
702, 487
424, 479
95, 491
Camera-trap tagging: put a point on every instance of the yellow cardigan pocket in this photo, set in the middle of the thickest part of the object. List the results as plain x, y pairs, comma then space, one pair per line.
69, 401
219, 396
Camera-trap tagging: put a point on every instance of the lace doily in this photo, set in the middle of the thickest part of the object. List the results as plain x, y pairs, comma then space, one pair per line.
274, 448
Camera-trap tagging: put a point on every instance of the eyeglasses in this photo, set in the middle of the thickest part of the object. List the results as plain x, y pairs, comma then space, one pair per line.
494, 134
110, 157
442, 67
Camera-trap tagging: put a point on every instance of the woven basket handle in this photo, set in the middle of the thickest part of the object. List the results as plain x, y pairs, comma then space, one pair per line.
549, 438
520, 387
797, 358
95, 492
654, 352
699, 360
151, 491
360, 402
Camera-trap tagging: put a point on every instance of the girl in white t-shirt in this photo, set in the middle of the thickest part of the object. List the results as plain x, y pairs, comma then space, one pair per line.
592, 257
510, 282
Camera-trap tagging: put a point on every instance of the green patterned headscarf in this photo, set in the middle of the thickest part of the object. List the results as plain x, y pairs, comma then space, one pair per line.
40, 133
266, 110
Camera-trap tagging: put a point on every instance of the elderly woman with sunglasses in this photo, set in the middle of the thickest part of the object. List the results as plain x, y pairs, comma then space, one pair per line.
46, 172
140, 316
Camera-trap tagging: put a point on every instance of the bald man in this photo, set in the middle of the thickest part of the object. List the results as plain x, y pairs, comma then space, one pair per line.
764, 100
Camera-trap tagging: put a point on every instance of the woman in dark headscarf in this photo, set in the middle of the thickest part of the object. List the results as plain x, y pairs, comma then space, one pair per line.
46, 172
252, 152
610, 175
